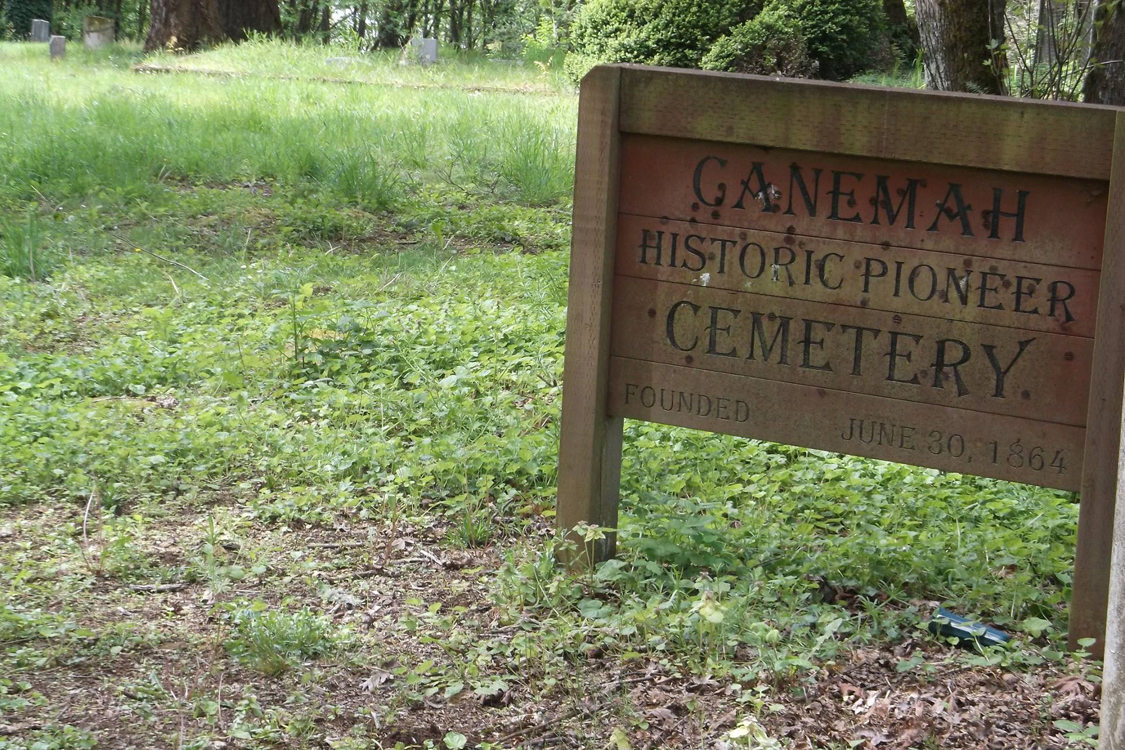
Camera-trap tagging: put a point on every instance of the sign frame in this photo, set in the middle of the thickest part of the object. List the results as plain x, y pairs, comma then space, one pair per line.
964, 131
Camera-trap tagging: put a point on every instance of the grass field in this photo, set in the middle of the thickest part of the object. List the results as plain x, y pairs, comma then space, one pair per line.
281, 337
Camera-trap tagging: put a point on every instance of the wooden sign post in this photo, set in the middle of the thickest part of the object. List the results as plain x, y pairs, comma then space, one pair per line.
925, 278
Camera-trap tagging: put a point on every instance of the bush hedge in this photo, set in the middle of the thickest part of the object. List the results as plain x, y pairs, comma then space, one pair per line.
771, 43
675, 33
19, 13
832, 39
845, 37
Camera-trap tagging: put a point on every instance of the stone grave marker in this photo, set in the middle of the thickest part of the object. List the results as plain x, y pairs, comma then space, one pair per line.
40, 30
97, 31
58, 47
423, 50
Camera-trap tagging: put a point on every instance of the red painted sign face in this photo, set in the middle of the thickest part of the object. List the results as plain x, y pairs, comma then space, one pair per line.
927, 314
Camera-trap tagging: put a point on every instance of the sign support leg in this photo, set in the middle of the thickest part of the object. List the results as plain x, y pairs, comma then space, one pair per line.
1101, 481
590, 447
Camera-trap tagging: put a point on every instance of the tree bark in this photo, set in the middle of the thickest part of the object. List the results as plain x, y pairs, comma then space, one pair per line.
325, 23
1105, 83
142, 17
961, 44
1046, 39
903, 29
396, 22
239, 17
307, 13
183, 24
361, 20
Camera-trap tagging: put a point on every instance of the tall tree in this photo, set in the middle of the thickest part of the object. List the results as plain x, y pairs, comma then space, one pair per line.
962, 44
183, 24
1105, 83
238, 17
188, 24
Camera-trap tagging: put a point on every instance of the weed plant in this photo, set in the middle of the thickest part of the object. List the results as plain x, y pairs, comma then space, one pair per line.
273, 641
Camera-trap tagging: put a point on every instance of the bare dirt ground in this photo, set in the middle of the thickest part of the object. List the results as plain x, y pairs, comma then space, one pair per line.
130, 663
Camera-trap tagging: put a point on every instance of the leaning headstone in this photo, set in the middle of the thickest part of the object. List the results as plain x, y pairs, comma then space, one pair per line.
96, 31
40, 30
58, 47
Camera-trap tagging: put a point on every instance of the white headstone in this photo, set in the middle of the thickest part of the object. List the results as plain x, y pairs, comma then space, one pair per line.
58, 47
40, 30
421, 50
428, 54
96, 31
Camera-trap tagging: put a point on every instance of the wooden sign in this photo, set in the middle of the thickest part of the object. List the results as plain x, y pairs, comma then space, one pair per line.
924, 278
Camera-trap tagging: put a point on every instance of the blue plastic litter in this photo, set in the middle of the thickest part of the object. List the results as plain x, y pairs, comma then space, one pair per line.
969, 634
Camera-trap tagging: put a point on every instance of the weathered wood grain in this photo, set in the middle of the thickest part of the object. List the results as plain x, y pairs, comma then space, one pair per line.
1025, 195
711, 183
1037, 376
1059, 139
1103, 438
919, 434
1112, 735
1028, 296
590, 443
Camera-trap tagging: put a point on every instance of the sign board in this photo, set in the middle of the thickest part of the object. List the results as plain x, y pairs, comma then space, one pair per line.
925, 278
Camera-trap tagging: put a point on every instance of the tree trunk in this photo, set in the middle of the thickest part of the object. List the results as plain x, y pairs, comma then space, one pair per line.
238, 17
902, 28
961, 44
469, 24
1105, 83
361, 20
1046, 33
396, 23
183, 24
325, 23
142, 17
306, 16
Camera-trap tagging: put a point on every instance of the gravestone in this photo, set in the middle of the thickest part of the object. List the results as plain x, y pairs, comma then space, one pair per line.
40, 30
97, 31
58, 47
423, 50
429, 51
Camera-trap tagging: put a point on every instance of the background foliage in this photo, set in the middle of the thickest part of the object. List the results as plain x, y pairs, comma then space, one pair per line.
17, 14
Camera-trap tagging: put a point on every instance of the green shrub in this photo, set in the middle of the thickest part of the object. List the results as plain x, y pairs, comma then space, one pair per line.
675, 33
19, 13
845, 37
576, 66
770, 43
68, 20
